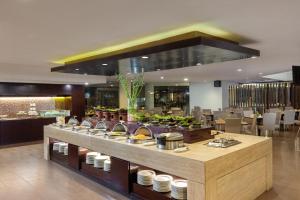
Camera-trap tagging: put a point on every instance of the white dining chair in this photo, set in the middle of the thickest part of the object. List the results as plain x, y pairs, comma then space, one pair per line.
233, 125
248, 113
288, 119
269, 123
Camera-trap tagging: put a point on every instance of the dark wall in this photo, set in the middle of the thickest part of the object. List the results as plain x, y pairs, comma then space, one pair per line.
33, 89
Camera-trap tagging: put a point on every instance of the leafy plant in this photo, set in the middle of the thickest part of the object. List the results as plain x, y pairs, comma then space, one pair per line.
132, 88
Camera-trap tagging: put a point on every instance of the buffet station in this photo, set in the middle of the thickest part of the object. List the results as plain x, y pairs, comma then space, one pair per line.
152, 161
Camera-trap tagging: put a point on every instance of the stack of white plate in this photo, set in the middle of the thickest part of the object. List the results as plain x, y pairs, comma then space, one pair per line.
99, 161
179, 189
162, 183
66, 151
145, 177
107, 165
90, 157
56, 146
61, 147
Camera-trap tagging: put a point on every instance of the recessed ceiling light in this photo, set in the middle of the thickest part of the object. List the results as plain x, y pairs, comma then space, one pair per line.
162, 77
104, 64
86, 83
260, 73
186, 79
145, 57
77, 69
239, 70
254, 57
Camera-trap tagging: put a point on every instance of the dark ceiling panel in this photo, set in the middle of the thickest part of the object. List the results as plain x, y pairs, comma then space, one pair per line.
179, 54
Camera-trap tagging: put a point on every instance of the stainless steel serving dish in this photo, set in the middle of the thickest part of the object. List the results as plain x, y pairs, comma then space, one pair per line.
169, 141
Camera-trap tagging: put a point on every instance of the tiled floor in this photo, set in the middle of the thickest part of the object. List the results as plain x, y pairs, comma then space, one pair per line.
24, 175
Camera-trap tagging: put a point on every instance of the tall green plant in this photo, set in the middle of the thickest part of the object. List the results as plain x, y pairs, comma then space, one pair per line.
132, 89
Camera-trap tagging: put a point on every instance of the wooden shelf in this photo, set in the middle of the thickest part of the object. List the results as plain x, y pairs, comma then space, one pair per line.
147, 193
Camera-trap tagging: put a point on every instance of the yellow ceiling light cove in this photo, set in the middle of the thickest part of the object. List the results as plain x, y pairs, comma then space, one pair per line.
203, 27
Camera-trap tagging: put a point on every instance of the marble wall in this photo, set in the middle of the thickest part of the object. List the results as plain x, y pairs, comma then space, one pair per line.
11, 105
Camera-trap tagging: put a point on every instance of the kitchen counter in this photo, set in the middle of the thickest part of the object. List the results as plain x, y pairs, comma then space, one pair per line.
22, 130
239, 172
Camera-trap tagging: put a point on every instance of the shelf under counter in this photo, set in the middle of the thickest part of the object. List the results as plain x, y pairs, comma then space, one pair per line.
211, 172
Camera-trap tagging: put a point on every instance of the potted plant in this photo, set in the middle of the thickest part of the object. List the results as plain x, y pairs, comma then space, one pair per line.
132, 88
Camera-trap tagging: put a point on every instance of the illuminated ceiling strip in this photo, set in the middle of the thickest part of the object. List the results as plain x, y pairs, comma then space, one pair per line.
204, 28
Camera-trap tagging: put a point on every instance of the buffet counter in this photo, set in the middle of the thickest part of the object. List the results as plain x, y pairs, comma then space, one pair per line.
243, 171
22, 130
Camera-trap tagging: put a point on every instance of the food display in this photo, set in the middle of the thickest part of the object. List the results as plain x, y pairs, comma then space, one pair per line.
101, 126
169, 141
86, 124
120, 127
73, 121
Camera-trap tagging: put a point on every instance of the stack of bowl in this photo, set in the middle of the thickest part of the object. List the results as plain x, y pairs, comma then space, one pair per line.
90, 157
99, 161
145, 177
66, 151
179, 189
62, 146
162, 183
56, 146
107, 165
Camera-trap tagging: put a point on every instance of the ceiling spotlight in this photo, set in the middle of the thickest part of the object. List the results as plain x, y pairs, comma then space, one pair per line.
253, 57
239, 70
162, 77
104, 64
260, 73
186, 79
77, 69
86, 83
145, 57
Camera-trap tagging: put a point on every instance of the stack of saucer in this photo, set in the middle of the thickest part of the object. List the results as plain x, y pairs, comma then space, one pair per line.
56, 146
145, 177
179, 189
62, 146
90, 157
107, 165
162, 183
66, 152
99, 161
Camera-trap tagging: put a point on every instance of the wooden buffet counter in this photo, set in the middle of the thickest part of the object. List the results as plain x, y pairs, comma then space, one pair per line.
243, 171
22, 130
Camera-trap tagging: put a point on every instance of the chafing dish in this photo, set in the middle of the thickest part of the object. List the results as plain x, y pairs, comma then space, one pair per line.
169, 141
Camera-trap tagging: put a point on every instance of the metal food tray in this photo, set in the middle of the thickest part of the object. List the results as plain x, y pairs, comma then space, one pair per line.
222, 143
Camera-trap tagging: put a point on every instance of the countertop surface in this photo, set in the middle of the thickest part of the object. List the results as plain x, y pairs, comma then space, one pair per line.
197, 151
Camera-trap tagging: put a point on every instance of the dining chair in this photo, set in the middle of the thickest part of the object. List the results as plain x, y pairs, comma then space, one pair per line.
288, 119
248, 113
269, 122
251, 128
233, 125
